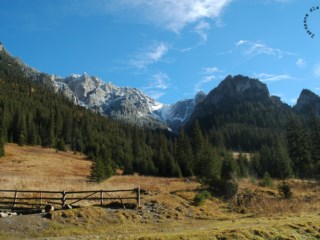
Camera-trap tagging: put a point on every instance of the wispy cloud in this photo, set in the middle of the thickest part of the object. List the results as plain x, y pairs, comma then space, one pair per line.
207, 70
158, 83
209, 75
149, 56
294, 101
301, 63
265, 77
253, 49
316, 70
168, 14
160, 80
155, 94
202, 28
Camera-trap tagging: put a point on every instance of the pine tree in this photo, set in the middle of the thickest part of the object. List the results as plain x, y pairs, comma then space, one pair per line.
98, 170
183, 153
243, 164
299, 148
1, 147
315, 142
198, 145
282, 164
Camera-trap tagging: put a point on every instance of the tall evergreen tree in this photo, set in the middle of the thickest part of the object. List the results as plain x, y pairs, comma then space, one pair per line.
314, 133
299, 148
183, 153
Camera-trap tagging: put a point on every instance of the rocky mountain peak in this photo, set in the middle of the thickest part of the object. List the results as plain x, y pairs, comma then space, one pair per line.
308, 101
307, 96
200, 96
238, 87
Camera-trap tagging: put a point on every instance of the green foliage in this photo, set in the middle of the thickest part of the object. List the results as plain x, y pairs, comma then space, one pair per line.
61, 146
32, 113
1, 148
201, 197
243, 166
285, 190
266, 180
299, 148
229, 188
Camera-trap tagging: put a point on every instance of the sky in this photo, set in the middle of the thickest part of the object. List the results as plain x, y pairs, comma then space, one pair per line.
170, 49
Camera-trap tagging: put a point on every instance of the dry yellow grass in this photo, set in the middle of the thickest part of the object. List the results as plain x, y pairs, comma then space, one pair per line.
42, 168
167, 211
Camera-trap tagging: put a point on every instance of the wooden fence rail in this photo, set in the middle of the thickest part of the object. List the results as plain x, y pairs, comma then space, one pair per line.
14, 198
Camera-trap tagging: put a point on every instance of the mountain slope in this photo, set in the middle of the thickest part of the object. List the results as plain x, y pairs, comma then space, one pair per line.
308, 102
128, 104
240, 113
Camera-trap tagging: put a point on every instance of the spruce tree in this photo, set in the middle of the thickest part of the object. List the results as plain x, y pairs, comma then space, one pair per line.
299, 148
183, 153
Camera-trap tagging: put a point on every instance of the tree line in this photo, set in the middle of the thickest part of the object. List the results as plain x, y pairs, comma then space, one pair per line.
32, 114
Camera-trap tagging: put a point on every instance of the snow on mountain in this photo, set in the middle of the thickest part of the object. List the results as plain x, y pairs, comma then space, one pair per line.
129, 104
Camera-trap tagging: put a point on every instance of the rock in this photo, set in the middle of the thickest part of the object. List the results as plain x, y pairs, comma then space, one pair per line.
49, 208
68, 206
2, 215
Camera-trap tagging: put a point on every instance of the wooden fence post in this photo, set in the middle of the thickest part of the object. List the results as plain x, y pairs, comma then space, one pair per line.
101, 197
63, 200
15, 197
138, 196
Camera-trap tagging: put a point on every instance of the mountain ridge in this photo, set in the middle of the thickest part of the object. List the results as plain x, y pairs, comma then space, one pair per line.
134, 106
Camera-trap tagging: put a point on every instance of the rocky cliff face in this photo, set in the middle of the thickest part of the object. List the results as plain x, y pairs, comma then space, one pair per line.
237, 87
231, 91
307, 102
123, 103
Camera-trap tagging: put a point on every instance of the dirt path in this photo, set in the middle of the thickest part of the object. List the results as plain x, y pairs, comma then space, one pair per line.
37, 227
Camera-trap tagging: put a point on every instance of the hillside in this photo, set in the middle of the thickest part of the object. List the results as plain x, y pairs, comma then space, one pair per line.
167, 211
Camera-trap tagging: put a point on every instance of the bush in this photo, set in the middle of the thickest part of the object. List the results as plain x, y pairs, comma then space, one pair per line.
201, 197
285, 190
61, 146
266, 180
229, 188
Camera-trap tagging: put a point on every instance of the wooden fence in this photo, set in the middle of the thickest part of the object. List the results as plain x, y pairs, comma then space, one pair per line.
35, 198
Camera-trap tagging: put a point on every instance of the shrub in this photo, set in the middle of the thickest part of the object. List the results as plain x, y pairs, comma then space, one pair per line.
285, 190
266, 180
229, 188
201, 197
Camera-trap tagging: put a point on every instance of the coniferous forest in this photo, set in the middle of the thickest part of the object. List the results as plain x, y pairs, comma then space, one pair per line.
283, 144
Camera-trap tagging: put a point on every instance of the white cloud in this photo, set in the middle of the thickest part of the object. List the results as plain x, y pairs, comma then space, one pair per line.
169, 14
253, 49
240, 42
159, 82
175, 15
294, 100
209, 76
301, 63
155, 94
210, 70
202, 28
265, 77
206, 79
316, 70
149, 56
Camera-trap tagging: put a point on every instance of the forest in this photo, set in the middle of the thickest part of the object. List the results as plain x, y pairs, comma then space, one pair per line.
282, 144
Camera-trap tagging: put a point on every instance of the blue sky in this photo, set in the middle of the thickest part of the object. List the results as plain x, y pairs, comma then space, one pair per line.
170, 49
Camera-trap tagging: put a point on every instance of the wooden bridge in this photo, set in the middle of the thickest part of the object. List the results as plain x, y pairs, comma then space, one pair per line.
17, 199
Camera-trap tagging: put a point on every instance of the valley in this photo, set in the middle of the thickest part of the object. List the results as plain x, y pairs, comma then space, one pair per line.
167, 211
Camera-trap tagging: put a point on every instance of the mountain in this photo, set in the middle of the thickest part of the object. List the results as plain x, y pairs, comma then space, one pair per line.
236, 100
178, 114
240, 113
122, 103
307, 102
